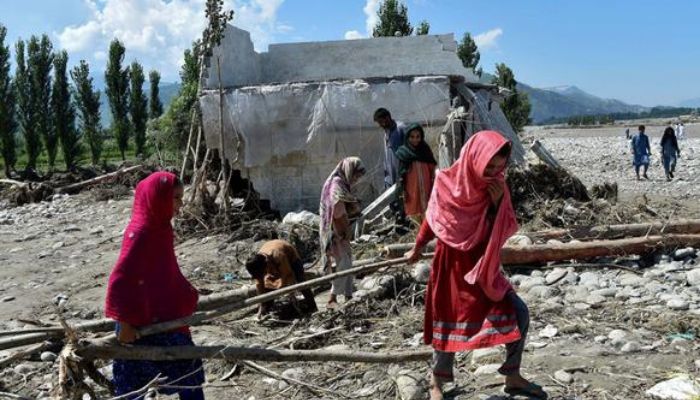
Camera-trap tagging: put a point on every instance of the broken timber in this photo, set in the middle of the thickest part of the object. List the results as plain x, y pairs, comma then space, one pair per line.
544, 155
235, 353
687, 226
538, 253
76, 187
374, 209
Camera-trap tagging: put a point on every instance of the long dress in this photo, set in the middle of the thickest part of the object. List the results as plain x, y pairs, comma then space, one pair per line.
418, 184
459, 316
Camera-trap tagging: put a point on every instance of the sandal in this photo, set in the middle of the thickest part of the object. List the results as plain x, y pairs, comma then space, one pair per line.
532, 390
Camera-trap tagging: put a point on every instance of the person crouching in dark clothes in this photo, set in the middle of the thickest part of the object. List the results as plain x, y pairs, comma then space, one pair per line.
276, 265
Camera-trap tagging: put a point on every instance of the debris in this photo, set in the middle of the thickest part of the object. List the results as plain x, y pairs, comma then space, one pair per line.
549, 332
48, 356
304, 217
563, 377
681, 387
410, 385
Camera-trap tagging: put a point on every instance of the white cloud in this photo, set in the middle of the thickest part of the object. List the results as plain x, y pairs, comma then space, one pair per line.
352, 35
371, 18
489, 39
156, 32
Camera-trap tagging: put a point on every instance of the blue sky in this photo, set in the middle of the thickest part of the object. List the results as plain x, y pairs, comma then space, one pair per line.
640, 51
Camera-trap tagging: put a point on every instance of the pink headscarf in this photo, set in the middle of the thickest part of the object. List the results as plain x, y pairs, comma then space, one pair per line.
458, 208
146, 285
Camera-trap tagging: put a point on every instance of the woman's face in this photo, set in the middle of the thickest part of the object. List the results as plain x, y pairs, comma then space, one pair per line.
414, 138
356, 177
177, 198
495, 166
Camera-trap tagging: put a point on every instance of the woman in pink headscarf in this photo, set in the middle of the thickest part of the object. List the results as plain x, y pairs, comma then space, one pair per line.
469, 304
147, 287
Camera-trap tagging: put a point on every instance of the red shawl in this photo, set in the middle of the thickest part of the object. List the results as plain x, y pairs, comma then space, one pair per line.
146, 285
458, 209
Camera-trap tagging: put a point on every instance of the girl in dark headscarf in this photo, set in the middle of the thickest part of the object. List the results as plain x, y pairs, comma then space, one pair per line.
669, 152
147, 287
416, 173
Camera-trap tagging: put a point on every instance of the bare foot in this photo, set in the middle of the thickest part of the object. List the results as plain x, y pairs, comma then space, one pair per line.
436, 388
331, 305
517, 384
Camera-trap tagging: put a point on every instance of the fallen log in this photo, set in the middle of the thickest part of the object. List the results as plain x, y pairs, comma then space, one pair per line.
538, 253
683, 226
76, 187
92, 351
25, 337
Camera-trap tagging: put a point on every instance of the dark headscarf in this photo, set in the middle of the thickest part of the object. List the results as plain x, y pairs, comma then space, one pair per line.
408, 154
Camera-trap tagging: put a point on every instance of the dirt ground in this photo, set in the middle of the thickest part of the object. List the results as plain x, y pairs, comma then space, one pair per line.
68, 246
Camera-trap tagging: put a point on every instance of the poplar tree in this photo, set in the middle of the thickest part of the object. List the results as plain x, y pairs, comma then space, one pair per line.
393, 20
138, 107
87, 100
154, 103
8, 124
39, 64
63, 112
117, 80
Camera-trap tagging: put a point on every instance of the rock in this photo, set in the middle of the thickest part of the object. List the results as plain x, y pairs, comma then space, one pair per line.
616, 334
338, 347
542, 292
677, 304
57, 245
48, 356
563, 376
571, 210
487, 355
421, 272
7, 299
536, 345
303, 217
577, 294
532, 282
555, 276
633, 280
631, 347
554, 242
697, 364
590, 279
98, 230
682, 254
693, 277
291, 373
607, 292
411, 385
600, 339
519, 240
679, 388
488, 369
549, 332
595, 299
373, 375
22, 369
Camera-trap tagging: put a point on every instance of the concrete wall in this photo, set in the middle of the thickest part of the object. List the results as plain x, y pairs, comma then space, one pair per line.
425, 55
293, 135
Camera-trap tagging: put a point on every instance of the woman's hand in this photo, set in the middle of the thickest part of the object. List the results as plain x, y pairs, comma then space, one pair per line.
495, 190
413, 255
127, 333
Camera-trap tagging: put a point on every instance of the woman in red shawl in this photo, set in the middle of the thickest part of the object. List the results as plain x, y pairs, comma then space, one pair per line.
147, 287
469, 304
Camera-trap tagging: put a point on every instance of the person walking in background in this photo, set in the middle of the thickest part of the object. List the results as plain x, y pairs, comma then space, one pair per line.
641, 150
394, 134
416, 173
146, 287
669, 152
681, 131
469, 303
338, 207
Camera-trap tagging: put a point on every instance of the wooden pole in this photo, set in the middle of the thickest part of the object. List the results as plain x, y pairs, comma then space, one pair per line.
222, 148
100, 179
236, 353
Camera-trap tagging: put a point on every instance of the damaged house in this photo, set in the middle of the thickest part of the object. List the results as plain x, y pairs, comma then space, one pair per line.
290, 114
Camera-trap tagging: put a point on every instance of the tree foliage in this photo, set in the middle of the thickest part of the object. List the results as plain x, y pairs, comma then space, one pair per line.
63, 112
154, 103
423, 28
393, 20
39, 63
26, 107
117, 80
217, 19
138, 107
516, 107
8, 123
468, 52
88, 103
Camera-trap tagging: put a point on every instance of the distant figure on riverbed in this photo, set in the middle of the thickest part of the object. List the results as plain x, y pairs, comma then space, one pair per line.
641, 150
669, 152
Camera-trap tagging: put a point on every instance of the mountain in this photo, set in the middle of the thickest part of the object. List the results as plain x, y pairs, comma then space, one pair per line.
692, 103
167, 93
567, 101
